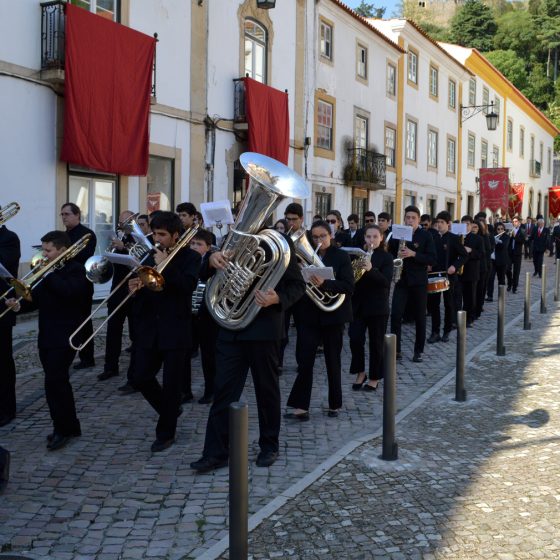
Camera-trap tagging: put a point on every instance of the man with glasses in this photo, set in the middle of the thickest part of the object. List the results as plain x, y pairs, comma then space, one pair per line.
71, 218
293, 214
515, 249
369, 218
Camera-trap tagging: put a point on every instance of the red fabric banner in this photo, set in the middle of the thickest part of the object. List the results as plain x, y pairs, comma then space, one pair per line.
494, 188
268, 119
554, 201
108, 78
516, 191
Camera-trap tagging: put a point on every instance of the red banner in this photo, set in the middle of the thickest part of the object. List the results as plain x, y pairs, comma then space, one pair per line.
494, 188
554, 201
516, 191
108, 79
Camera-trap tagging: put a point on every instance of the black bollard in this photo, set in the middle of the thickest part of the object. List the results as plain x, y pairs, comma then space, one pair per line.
390, 448
500, 348
460, 392
4, 468
556, 281
238, 481
543, 289
527, 308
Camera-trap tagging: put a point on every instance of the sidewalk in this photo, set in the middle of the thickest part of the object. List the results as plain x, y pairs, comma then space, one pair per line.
106, 497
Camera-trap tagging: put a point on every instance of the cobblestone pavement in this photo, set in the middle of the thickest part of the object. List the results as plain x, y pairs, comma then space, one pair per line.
107, 497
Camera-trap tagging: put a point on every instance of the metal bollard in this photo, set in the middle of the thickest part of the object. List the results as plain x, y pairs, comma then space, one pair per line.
557, 281
527, 308
390, 447
460, 392
543, 289
500, 348
238, 481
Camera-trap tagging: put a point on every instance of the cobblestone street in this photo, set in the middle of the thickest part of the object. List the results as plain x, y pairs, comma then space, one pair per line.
479, 479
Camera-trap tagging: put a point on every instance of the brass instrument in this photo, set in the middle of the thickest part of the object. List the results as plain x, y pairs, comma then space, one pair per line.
308, 257
398, 263
359, 263
37, 261
197, 296
24, 287
8, 211
257, 259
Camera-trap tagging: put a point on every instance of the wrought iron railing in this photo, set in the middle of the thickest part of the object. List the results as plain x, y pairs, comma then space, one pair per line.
52, 35
239, 100
366, 167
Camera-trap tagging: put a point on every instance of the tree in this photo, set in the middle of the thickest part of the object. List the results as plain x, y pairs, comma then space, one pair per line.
436, 32
367, 10
553, 113
540, 89
511, 66
474, 26
517, 32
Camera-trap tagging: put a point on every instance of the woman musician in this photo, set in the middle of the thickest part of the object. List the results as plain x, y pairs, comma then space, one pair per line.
500, 258
370, 304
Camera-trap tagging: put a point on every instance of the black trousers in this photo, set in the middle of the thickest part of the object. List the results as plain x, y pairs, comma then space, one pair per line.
418, 296
481, 291
308, 340
448, 306
207, 330
115, 325
376, 327
538, 257
86, 354
513, 271
7, 373
60, 398
166, 398
528, 249
233, 361
497, 270
469, 298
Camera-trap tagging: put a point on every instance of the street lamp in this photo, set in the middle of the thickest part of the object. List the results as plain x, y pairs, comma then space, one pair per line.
266, 4
491, 118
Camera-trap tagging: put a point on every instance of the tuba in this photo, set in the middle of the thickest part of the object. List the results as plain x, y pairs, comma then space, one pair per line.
257, 259
9, 211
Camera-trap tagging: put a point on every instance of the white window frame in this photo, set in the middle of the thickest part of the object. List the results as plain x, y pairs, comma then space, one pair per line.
451, 156
326, 34
472, 91
452, 94
521, 142
433, 141
509, 135
471, 150
362, 61
391, 86
412, 66
323, 110
483, 153
434, 81
485, 99
411, 140
260, 75
495, 156
391, 145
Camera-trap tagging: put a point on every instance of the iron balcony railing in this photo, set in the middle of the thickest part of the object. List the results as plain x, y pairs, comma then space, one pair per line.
239, 115
366, 167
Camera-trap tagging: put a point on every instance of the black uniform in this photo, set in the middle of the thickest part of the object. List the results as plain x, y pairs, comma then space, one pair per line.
255, 347
413, 285
471, 274
9, 258
485, 266
315, 326
556, 239
540, 242
77, 232
370, 304
529, 229
515, 248
500, 262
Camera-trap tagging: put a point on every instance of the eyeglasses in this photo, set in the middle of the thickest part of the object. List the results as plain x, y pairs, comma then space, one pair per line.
425, 225
319, 237
331, 221
291, 219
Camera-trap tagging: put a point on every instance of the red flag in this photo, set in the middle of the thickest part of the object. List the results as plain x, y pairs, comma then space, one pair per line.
516, 191
554, 201
269, 120
108, 75
494, 188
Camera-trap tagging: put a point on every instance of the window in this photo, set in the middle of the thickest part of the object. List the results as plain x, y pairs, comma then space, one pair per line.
472, 91
521, 142
389, 206
485, 100
255, 50
432, 148
391, 79
432, 206
495, 156
470, 205
452, 95
160, 184
325, 120
434, 81
108, 9
541, 154
471, 150
361, 62
411, 128
412, 66
509, 135
532, 147
323, 203
548, 160
326, 40
451, 156
360, 132
390, 145
483, 153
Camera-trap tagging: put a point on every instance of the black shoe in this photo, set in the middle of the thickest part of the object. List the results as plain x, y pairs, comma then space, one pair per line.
514, 290
58, 442
358, 386
302, 416
187, 398
107, 374
85, 365
6, 419
205, 399
417, 357
332, 413
509, 288
207, 464
535, 273
127, 389
369, 388
162, 445
266, 458
50, 437
445, 337
489, 299
434, 338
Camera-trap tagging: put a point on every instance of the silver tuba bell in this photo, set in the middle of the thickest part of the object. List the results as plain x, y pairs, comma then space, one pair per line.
257, 259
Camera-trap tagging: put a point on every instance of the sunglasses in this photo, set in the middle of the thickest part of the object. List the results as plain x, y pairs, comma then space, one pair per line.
331, 221
370, 221
425, 225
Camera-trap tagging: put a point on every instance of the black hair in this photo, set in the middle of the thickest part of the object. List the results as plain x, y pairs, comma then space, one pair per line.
284, 222
426, 217
142, 217
412, 208
369, 213
317, 218
480, 216
58, 238
353, 218
169, 221
73, 207
322, 224
467, 218
444, 215
294, 208
204, 235
384, 216
187, 207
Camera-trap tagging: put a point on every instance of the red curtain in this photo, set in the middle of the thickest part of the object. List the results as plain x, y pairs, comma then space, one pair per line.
494, 188
516, 191
554, 201
108, 77
268, 119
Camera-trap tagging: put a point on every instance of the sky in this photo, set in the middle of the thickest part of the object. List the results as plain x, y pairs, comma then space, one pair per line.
391, 5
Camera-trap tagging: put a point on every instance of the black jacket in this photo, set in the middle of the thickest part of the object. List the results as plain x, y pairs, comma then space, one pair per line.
358, 239
487, 250
343, 239
516, 244
162, 320
9, 257
306, 312
501, 250
471, 270
371, 292
89, 250
540, 242
449, 252
414, 271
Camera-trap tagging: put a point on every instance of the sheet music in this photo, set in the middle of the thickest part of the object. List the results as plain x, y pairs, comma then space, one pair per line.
459, 229
218, 212
325, 272
126, 260
402, 232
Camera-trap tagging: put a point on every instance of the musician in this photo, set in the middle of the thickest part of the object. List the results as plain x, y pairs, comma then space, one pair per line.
556, 238
58, 297
254, 347
341, 238
144, 224
369, 218
482, 217
384, 221
529, 228
370, 303
417, 256
71, 218
478, 228
500, 259
187, 213
293, 214
9, 258
515, 249
539, 239
451, 255
356, 234
315, 326
162, 327
471, 271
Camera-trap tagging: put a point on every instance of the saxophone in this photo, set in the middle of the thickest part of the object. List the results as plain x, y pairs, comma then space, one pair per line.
398, 263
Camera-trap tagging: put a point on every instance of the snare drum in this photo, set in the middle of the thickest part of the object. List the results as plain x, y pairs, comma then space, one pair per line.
437, 282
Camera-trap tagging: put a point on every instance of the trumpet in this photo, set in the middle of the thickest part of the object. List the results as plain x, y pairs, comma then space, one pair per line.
9, 211
496, 237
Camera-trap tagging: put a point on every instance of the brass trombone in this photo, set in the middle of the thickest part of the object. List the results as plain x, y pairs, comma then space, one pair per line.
150, 276
9, 211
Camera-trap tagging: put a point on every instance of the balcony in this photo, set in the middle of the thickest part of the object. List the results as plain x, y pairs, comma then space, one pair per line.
366, 169
239, 116
534, 168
